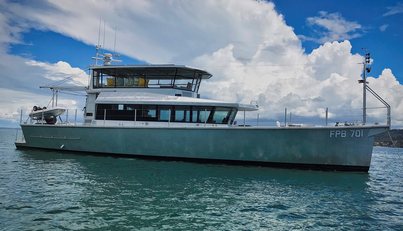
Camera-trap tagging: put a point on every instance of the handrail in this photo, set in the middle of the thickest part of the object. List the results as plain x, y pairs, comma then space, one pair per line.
384, 103
135, 117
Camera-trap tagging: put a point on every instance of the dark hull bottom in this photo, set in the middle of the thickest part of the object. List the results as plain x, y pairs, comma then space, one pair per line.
321, 167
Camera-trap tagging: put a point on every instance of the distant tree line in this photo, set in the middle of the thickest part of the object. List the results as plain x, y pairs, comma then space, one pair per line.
395, 139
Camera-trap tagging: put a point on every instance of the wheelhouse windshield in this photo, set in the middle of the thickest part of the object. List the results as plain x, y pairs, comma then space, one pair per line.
183, 78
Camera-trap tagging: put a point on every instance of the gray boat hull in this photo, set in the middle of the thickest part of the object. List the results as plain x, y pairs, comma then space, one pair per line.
331, 148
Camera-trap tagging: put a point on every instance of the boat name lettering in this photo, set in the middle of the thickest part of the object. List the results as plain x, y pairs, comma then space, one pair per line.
357, 133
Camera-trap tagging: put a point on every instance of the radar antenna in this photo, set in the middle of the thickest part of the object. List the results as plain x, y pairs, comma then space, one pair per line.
107, 58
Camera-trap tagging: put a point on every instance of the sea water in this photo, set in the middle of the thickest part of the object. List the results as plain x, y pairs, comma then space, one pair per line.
47, 190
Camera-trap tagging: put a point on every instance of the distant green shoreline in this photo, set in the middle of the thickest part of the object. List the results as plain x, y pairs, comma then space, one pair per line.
385, 140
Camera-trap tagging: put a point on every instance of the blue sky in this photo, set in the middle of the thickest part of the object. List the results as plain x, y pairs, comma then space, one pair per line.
386, 46
297, 54
78, 54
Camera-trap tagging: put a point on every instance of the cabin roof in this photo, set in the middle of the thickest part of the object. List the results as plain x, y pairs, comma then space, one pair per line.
159, 99
154, 71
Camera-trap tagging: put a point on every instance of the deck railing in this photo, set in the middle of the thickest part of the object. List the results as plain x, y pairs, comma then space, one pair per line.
246, 119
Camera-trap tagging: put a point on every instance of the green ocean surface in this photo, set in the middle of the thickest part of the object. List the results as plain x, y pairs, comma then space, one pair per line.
48, 190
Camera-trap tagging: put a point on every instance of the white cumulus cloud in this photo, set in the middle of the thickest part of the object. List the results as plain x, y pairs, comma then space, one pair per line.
61, 72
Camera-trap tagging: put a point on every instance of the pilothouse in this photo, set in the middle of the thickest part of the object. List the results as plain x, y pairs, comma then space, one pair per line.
154, 93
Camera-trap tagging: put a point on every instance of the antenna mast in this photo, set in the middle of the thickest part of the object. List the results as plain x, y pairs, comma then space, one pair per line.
114, 43
107, 58
366, 68
98, 46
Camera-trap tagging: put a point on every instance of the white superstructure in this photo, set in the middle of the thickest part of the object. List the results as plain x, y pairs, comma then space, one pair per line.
154, 94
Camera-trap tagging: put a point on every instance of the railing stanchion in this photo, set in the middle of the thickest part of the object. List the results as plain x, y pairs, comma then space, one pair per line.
135, 117
244, 117
104, 116
285, 117
205, 117
75, 117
